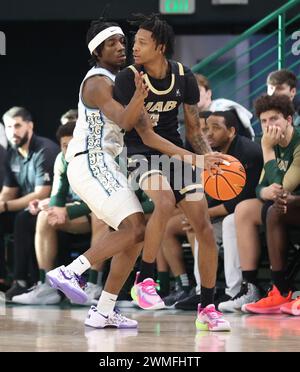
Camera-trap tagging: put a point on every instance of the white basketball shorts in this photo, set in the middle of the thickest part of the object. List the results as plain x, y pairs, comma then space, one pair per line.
97, 180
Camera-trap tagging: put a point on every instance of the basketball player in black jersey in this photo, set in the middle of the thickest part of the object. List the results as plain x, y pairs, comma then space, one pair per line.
170, 84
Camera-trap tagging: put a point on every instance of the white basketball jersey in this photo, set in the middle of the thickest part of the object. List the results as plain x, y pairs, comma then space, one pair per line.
94, 131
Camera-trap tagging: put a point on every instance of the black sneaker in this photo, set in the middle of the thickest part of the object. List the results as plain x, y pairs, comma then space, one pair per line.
189, 303
15, 290
4, 287
178, 294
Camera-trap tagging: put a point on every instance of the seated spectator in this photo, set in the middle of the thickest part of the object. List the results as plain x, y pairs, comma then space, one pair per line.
282, 215
63, 212
28, 176
281, 151
283, 82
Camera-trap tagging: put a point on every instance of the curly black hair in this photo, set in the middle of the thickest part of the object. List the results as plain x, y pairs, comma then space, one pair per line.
279, 103
162, 32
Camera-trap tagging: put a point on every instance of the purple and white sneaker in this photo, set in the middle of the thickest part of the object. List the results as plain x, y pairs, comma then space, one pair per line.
114, 320
69, 283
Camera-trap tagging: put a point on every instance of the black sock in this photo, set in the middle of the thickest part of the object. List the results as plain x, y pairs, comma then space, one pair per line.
93, 276
278, 278
147, 271
207, 296
250, 276
42, 275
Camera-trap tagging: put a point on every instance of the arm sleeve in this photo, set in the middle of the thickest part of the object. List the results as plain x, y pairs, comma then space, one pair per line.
263, 182
191, 93
124, 86
273, 173
77, 209
60, 186
291, 179
270, 174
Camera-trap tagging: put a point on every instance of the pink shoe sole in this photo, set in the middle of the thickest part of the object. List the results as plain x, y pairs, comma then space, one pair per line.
270, 310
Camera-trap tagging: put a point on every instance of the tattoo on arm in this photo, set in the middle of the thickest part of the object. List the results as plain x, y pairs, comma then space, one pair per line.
194, 132
200, 144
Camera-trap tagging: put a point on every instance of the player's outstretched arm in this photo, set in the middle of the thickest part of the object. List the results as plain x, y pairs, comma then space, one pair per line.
193, 130
198, 141
98, 92
145, 130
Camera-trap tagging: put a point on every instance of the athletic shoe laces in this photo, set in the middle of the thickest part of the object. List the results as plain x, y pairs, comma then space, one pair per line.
81, 281
213, 313
149, 286
118, 316
243, 291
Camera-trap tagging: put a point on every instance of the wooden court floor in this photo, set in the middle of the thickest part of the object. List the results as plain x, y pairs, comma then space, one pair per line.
54, 328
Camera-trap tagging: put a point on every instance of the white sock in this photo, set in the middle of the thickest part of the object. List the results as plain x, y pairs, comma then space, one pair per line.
80, 265
106, 303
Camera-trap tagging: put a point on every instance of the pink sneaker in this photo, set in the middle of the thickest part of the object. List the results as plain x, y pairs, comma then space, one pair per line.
145, 296
209, 319
270, 304
292, 308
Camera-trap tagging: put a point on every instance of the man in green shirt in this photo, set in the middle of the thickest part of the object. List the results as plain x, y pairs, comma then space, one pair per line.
281, 173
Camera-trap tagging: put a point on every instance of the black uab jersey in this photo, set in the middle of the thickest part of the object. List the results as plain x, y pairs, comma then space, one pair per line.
162, 103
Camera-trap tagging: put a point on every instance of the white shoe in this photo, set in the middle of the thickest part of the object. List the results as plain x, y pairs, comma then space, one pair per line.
69, 283
114, 320
244, 310
41, 294
93, 292
249, 293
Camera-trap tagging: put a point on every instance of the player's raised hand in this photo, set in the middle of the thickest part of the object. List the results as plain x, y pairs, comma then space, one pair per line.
212, 160
141, 88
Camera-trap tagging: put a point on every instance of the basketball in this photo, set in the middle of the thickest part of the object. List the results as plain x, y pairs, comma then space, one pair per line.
227, 185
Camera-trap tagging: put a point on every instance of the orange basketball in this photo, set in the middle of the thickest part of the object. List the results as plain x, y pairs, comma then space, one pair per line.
227, 185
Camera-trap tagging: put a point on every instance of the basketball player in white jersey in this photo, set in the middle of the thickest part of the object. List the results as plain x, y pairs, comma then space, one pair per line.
95, 176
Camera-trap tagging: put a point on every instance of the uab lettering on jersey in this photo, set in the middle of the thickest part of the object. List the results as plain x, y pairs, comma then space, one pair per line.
154, 108
161, 106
